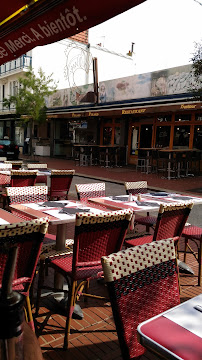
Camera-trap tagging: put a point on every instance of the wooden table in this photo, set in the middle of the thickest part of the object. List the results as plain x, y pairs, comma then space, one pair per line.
176, 333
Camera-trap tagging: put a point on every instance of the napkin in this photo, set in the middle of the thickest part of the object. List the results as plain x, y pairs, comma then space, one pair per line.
120, 198
181, 197
160, 193
72, 211
53, 204
144, 203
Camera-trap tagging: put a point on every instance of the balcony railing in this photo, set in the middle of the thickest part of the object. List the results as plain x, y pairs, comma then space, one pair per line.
20, 63
5, 109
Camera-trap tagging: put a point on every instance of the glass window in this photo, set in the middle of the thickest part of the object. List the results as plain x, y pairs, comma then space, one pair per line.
134, 139
181, 136
107, 121
146, 136
183, 117
198, 137
162, 136
107, 136
117, 135
164, 118
199, 117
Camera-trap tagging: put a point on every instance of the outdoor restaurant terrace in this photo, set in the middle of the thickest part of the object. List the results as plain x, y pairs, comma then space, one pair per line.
95, 335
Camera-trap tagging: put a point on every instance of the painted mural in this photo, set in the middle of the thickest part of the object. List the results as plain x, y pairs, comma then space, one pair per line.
159, 83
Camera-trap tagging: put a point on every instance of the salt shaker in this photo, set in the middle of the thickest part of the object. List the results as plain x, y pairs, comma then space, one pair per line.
130, 197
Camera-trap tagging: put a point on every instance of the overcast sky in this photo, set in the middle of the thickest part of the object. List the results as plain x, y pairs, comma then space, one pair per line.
164, 32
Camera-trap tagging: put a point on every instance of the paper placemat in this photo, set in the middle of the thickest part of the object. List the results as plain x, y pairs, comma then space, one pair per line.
3, 222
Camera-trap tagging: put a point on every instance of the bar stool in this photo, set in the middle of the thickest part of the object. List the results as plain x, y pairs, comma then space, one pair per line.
141, 164
84, 156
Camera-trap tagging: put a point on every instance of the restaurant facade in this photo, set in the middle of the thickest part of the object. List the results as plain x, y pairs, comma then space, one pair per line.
155, 110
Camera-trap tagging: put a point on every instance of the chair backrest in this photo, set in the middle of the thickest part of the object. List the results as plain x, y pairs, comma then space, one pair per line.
86, 191
135, 187
26, 238
97, 235
4, 166
3, 158
26, 194
142, 282
60, 183
23, 177
171, 221
16, 164
37, 166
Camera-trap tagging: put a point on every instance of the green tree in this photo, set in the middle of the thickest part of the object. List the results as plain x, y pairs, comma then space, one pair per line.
197, 70
30, 100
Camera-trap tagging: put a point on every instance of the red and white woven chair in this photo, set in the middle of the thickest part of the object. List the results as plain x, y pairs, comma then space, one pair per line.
21, 178
86, 191
30, 194
142, 282
193, 244
41, 179
16, 164
170, 224
26, 194
96, 235
24, 240
135, 188
60, 184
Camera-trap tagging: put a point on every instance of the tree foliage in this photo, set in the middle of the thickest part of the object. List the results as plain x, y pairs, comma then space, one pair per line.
30, 99
197, 70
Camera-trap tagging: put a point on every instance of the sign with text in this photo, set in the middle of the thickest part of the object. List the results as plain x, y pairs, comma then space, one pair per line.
53, 20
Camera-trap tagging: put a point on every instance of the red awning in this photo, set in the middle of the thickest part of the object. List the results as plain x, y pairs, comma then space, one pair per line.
47, 21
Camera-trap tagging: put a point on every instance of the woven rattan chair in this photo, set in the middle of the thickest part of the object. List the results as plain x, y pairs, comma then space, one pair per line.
135, 188
142, 282
25, 239
170, 223
16, 164
25, 195
95, 236
193, 244
23, 177
60, 184
41, 179
6, 167
86, 191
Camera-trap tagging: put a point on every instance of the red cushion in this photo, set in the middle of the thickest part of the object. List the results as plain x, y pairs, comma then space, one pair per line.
146, 220
64, 263
192, 231
139, 241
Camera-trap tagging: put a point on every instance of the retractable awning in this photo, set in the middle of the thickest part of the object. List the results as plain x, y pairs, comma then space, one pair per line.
24, 25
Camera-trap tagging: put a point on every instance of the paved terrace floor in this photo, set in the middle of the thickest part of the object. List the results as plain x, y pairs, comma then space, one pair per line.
94, 337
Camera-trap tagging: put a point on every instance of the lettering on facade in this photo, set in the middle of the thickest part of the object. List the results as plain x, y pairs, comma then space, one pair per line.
76, 115
93, 114
187, 106
135, 111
